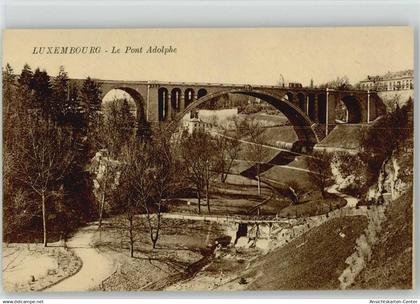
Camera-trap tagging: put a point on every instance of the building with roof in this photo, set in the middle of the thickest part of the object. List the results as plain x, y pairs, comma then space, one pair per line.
195, 124
391, 81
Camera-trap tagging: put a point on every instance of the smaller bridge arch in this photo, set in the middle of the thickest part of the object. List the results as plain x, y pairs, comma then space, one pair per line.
201, 93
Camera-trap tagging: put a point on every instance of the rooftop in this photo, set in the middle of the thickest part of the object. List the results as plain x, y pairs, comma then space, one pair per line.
391, 75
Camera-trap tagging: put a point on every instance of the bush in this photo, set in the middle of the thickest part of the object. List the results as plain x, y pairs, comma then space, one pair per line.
350, 173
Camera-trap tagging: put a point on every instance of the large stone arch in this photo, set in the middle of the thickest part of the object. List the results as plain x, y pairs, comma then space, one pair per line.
137, 97
300, 121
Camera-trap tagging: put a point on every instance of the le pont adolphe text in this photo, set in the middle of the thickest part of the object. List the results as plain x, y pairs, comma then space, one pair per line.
77, 50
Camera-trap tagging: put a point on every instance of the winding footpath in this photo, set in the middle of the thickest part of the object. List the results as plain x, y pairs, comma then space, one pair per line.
96, 266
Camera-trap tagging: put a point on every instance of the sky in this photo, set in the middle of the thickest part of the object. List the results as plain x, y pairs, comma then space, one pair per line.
239, 56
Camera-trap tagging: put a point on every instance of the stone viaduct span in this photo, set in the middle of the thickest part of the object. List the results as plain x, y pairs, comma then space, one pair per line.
311, 111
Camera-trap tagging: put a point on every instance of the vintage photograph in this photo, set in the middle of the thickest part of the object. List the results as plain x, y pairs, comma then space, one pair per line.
229, 159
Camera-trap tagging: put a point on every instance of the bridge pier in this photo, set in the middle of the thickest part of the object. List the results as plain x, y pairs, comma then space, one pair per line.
182, 103
368, 107
331, 102
152, 98
169, 113
316, 109
307, 105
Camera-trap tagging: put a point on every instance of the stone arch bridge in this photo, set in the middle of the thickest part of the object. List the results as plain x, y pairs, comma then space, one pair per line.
311, 111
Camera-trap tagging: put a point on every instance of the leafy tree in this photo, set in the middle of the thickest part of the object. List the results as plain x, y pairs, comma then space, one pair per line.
144, 131
25, 78
384, 136
45, 176
10, 107
114, 130
341, 83
90, 101
351, 173
60, 96
25, 89
319, 166
117, 126
41, 87
90, 106
8, 85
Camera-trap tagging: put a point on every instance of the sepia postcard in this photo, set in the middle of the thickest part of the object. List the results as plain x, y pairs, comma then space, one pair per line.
224, 159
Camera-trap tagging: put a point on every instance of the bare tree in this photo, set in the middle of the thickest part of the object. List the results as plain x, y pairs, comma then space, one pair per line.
148, 176
319, 166
198, 153
43, 162
342, 83
105, 168
163, 174
228, 148
142, 175
125, 192
256, 152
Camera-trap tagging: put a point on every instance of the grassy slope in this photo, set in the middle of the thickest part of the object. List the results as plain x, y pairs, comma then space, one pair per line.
391, 264
343, 136
312, 261
280, 134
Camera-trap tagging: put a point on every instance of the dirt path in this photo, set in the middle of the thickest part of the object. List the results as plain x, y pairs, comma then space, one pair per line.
96, 266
